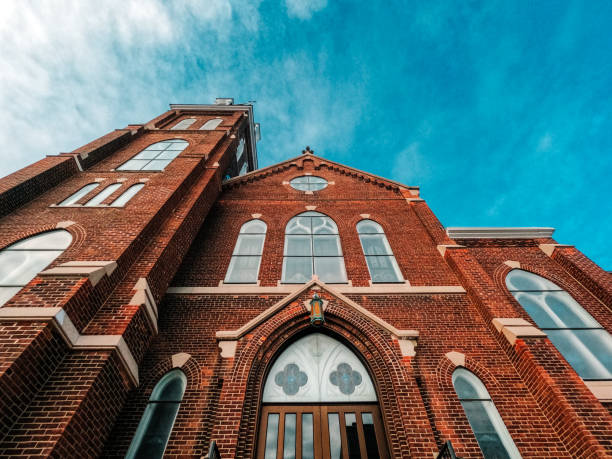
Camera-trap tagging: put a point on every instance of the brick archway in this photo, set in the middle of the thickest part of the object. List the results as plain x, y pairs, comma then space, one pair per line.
402, 409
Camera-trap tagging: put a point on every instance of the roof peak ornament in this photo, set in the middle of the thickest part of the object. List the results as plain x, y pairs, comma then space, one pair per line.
307, 151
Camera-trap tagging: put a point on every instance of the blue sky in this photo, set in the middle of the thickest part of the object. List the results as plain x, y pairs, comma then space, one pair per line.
499, 111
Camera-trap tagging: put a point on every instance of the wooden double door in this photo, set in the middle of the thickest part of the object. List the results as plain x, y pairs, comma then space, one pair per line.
321, 432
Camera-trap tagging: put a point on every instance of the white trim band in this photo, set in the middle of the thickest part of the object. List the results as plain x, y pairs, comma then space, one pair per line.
475, 232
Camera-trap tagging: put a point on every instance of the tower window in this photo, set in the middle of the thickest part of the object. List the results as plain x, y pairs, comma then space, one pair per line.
379, 256
312, 246
487, 425
102, 195
155, 157
584, 343
70, 200
158, 419
127, 195
183, 124
244, 265
20, 262
211, 125
308, 183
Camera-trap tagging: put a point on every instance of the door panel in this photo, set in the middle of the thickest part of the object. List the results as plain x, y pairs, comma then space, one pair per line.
321, 432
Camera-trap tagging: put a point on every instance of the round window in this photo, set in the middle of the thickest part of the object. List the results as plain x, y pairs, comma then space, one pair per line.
308, 183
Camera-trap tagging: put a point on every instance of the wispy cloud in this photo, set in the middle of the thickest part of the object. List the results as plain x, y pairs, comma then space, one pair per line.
304, 9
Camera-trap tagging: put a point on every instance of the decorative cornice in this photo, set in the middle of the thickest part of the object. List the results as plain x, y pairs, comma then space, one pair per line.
476, 232
72, 337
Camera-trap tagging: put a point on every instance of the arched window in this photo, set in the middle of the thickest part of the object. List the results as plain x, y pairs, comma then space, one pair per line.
128, 194
183, 124
102, 195
575, 333
312, 246
211, 125
155, 157
70, 200
156, 423
487, 425
20, 262
378, 253
320, 400
244, 265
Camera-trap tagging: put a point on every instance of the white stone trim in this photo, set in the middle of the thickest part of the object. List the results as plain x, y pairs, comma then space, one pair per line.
408, 347
225, 335
457, 358
285, 289
442, 247
180, 359
65, 224
515, 327
475, 232
71, 335
93, 270
601, 389
144, 297
513, 264
256, 215
548, 249
228, 348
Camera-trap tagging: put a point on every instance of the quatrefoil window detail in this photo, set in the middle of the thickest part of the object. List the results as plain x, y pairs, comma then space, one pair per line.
345, 378
291, 379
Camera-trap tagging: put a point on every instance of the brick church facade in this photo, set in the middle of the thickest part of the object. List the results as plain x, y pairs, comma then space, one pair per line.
161, 293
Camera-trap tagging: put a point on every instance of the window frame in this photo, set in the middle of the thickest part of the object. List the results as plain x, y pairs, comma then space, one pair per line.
309, 187
243, 232
390, 255
313, 255
211, 121
177, 128
89, 186
121, 168
140, 186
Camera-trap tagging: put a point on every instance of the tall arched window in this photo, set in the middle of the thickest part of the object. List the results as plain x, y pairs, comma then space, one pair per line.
183, 124
70, 200
244, 265
156, 423
102, 195
20, 262
584, 343
128, 194
487, 425
211, 125
320, 401
312, 246
155, 157
378, 253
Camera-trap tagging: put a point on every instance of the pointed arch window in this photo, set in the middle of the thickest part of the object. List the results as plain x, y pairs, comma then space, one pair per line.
377, 251
75, 197
312, 246
128, 194
582, 341
488, 427
183, 124
158, 419
244, 265
22, 261
155, 157
211, 125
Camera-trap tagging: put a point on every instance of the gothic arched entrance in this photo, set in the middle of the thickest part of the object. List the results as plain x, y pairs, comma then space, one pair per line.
320, 402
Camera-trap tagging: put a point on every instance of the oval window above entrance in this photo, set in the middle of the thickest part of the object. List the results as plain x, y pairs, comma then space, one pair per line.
318, 369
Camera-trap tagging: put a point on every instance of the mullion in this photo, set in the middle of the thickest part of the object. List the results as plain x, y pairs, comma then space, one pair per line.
156, 156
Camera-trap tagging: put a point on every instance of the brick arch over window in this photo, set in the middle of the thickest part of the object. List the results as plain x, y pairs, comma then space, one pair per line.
76, 230
395, 384
446, 367
185, 362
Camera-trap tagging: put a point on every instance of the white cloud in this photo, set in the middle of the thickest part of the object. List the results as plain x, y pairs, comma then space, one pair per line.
304, 9
410, 167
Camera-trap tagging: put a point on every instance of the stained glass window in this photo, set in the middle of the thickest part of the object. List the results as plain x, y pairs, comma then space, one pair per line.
318, 368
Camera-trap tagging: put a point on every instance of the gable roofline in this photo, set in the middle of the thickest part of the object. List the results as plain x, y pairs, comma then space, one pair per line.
266, 171
232, 335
